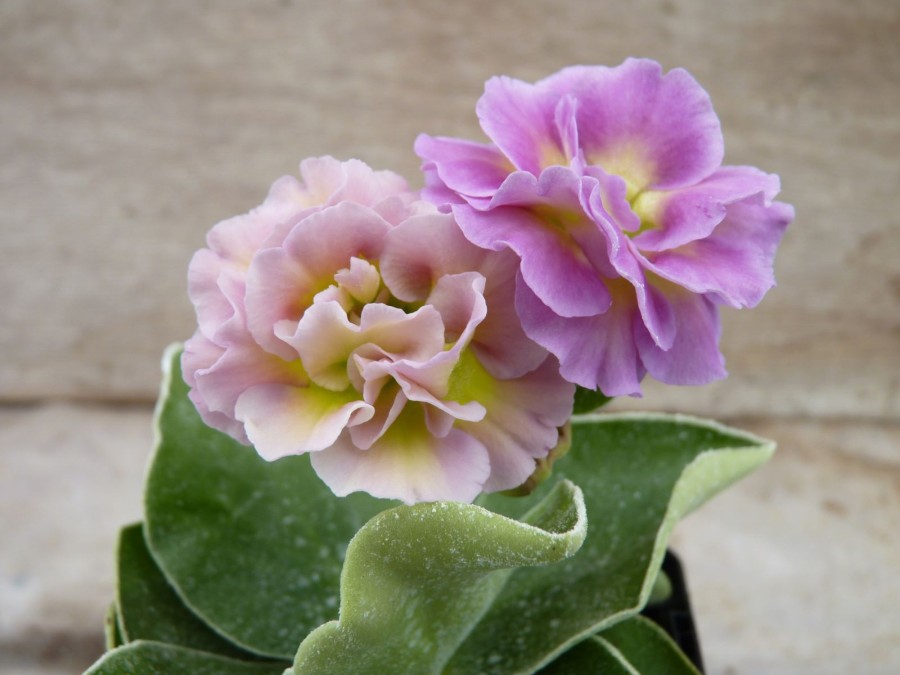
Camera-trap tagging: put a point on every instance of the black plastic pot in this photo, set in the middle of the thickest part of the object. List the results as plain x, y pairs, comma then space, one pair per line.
674, 613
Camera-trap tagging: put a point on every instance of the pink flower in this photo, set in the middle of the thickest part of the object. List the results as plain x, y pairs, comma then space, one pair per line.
345, 319
607, 184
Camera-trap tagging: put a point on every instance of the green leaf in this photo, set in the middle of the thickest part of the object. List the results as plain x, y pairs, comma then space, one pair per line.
417, 578
147, 658
149, 609
634, 646
589, 400
640, 474
590, 656
253, 548
661, 590
112, 632
648, 648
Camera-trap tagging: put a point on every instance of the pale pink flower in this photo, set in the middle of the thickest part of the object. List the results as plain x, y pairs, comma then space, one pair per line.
347, 320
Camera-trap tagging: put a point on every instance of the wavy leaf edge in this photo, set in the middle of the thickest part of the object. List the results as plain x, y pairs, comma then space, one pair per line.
551, 545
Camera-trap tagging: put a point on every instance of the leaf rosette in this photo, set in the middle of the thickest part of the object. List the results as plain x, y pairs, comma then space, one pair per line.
246, 559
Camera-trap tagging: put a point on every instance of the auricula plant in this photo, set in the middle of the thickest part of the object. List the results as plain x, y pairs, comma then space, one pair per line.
418, 496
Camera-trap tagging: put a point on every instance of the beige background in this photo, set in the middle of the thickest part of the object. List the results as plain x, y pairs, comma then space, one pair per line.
128, 128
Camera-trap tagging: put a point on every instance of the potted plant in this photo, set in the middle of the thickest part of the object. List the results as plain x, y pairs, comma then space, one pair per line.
433, 488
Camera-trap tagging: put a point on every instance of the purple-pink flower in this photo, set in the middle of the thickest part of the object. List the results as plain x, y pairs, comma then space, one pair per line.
345, 319
607, 185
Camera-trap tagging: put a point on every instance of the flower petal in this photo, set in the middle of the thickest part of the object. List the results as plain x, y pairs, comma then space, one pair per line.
407, 463
522, 122
208, 279
282, 282
237, 239
279, 288
521, 424
694, 356
361, 280
458, 298
471, 170
553, 270
199, 354
692, 213
422, 250
596, 351
628, 264
220, 380
325, 338
611, 194
500, 342
282, 420
426, 383
388, 404
655, 131
544, 230
735, 263
327, 181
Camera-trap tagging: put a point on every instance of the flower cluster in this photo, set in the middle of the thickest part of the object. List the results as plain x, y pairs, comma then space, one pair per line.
426, 347
345, 319
607, 184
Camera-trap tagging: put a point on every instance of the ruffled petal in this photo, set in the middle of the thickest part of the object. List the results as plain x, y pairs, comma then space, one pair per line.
470, 170
500, 342
655, 131
423, 250
213, 307
220, 382
199, 354
407, 463
555, 272
328, 181
566, 121
325, 338
522, 123
326, 241
282, 282
734, 263
689, 214
627, 264
521, 423
394, 210
283, 420
427, 383
611, 194
694, 357
459, 298
596, 351
388, 404
236, 239
541, 229
361, 280
428, 380
279, 288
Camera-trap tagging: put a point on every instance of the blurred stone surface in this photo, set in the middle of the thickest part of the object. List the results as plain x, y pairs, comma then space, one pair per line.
794, 570
128, 129
70, 477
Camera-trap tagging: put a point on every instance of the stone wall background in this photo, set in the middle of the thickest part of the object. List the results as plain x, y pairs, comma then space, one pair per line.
127, 129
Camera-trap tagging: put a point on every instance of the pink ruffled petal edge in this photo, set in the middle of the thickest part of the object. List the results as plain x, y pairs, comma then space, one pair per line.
407, 463
283, 420
655, 130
